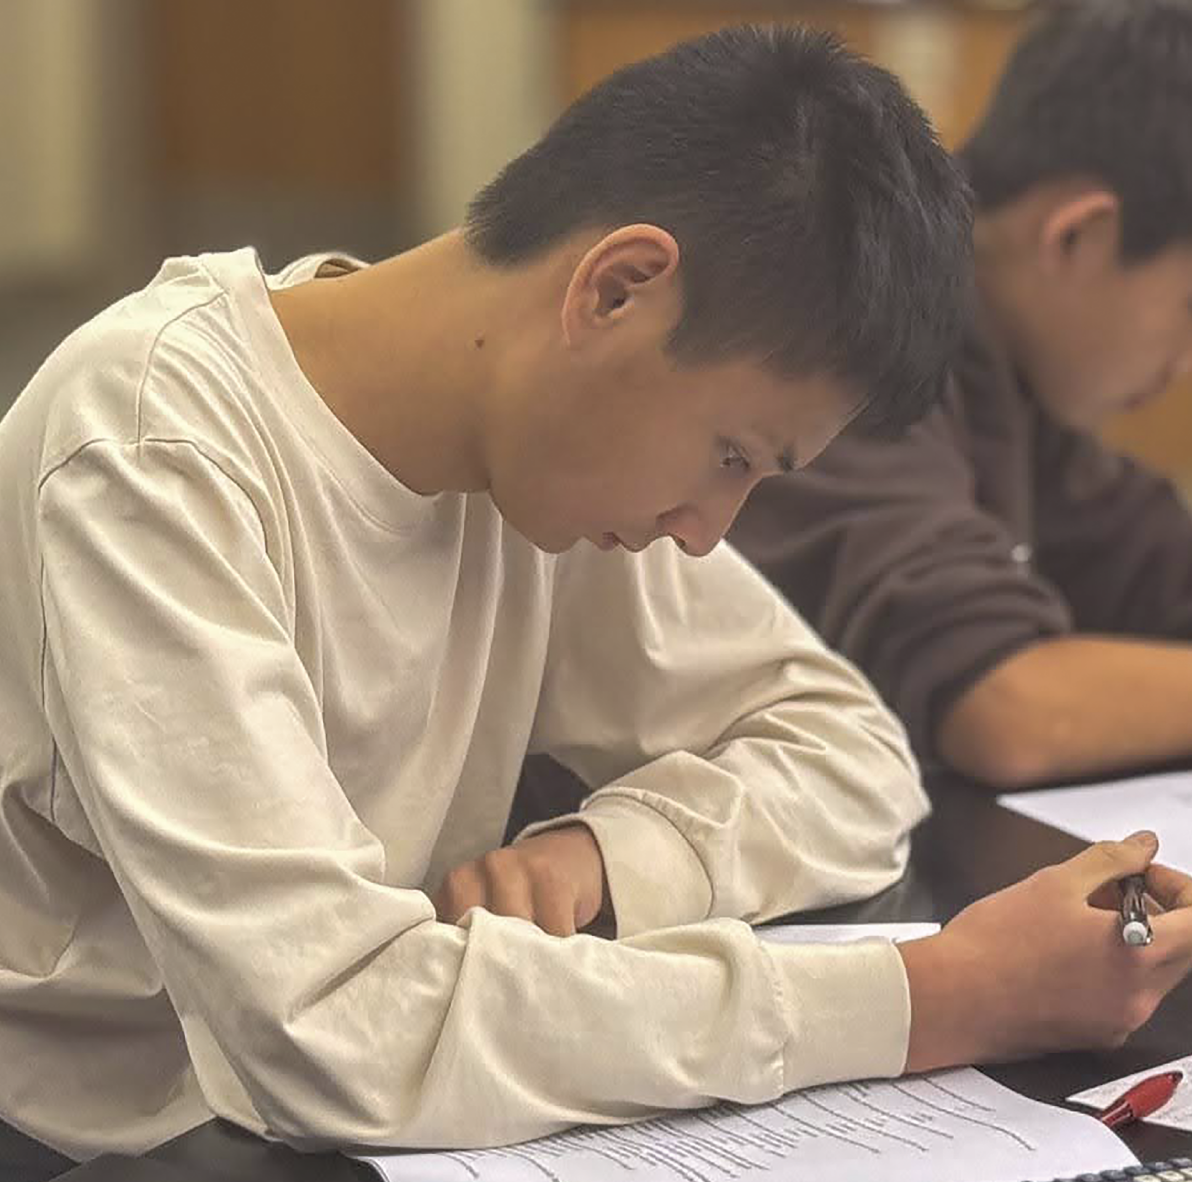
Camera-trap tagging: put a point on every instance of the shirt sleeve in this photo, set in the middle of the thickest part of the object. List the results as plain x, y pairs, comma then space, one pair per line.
1115, 537
885, 548
320, 1003
742, 769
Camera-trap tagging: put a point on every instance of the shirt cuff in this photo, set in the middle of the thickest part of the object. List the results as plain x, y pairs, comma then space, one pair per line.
655, 878
848, 1010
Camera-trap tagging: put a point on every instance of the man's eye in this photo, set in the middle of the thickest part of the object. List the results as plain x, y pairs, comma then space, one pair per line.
734, 458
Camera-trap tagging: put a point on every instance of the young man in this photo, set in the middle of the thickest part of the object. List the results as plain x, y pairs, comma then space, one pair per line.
1021, 595
299, 569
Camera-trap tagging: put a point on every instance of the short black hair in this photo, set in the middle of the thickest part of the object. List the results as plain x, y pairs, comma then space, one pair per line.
1101, 89
822, 228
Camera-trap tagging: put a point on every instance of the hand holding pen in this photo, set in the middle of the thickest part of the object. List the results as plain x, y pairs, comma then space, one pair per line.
1087, 988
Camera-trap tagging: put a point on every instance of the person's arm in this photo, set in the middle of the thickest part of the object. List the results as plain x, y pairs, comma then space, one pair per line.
1071, 707
740, 768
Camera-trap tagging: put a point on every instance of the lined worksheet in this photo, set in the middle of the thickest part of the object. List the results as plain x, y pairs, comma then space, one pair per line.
930, 1128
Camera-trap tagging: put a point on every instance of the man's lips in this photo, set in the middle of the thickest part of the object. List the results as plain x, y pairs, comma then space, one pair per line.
610, 541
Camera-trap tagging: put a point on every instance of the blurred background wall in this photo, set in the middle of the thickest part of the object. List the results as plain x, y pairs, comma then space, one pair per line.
135, 129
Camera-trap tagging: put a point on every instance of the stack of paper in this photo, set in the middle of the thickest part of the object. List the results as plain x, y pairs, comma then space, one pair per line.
944, 1127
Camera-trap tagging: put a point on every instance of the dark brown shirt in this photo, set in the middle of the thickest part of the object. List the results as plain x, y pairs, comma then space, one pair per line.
989, 526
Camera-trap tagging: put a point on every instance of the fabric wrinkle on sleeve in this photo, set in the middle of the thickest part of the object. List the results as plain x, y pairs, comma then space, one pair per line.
859, 988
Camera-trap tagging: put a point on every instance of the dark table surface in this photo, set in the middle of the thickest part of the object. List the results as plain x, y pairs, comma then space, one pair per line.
967, 849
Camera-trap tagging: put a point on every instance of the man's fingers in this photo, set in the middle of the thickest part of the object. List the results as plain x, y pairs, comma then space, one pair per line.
1107, 897
461, 890
1170, 888
554, 880
554, 906
509, 891
1167, 890
1108, 860
1171, 951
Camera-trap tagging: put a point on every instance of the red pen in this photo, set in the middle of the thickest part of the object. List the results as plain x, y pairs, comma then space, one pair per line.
1145, 1097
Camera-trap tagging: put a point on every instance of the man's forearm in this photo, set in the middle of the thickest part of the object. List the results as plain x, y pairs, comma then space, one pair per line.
1070, 707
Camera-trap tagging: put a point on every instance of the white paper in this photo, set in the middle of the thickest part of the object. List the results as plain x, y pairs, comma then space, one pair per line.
1177, 1112
843, 933
934, 1128
1115, 810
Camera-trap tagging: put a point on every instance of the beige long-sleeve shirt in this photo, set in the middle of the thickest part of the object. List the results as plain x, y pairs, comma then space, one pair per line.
256, 698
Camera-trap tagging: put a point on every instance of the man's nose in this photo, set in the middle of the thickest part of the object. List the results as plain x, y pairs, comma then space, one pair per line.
698, 527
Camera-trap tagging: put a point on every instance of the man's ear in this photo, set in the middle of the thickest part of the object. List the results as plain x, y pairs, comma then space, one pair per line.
1083, 233
630, 273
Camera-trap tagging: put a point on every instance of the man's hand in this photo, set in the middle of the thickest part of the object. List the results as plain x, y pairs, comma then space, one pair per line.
1041, 966
554, 879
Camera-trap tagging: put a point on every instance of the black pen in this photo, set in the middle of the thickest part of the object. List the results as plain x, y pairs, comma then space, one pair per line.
1136, 925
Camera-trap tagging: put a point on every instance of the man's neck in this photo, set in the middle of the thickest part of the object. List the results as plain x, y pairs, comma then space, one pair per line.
408, 355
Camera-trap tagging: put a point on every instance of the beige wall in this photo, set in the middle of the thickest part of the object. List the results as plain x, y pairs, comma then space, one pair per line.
50, 109
486, 75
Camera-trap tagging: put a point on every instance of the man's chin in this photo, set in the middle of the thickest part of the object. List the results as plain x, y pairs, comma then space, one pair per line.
560, 542
555, 545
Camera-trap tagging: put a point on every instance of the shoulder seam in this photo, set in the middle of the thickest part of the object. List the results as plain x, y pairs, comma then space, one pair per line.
151, 354
167, 442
